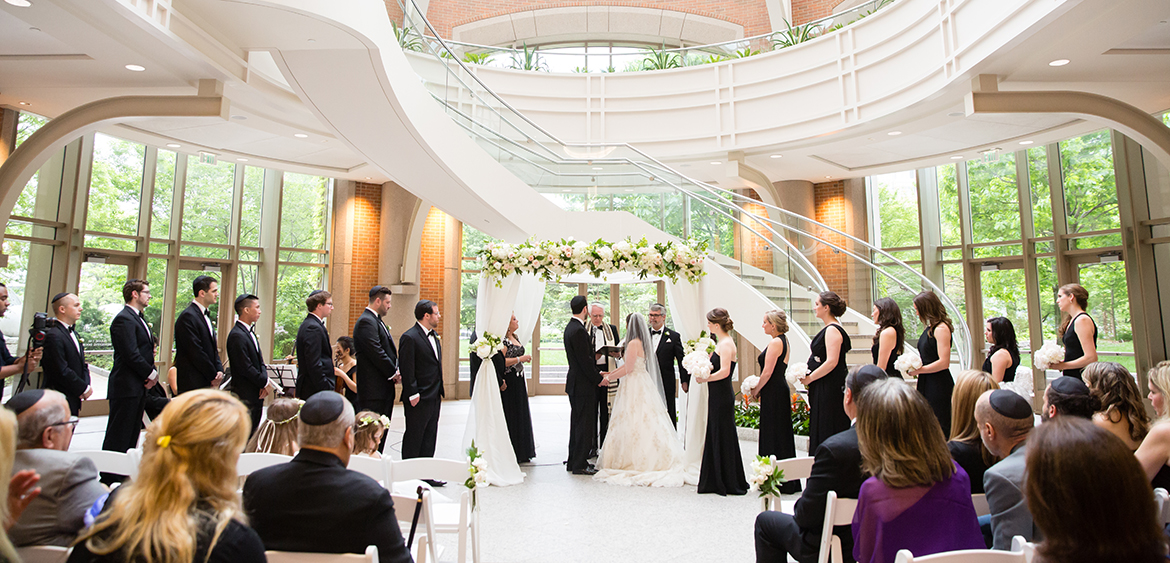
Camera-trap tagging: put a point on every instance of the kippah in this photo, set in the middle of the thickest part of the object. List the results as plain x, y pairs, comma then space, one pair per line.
322, 408
58, 297
871, 371
315, 292
1066, 385
245, 297
374, 291
23, 400
1010, 404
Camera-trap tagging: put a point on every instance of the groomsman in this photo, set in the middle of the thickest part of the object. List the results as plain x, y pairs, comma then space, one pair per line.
64, 365
133, 371
603, 335
377, 358
314, 353
421, 365
581, 385
669, 350
249, 376
197, 363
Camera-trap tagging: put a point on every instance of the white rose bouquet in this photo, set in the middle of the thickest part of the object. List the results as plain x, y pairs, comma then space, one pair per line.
487, 345
748, 384
907, 361
698, 363
1047, 355
766, 477
702, 343
794, 373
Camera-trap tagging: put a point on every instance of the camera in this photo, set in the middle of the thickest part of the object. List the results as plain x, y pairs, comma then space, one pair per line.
41, 321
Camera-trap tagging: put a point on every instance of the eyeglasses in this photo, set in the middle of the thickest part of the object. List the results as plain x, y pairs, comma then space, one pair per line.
657, 315
72, 422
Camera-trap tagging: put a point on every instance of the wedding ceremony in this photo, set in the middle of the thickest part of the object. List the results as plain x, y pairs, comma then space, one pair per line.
812, 281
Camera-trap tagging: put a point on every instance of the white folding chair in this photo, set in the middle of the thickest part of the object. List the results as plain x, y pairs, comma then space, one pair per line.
254, 461
117, 463
458, 518
1162, 506
964, 556
838, 512
1020, 544
43, 554
376, 469
794, 468
424, 533
981, 506
371, 556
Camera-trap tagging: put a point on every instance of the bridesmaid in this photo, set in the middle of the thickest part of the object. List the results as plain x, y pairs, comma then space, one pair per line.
1004, 356
827, 371
722, 470
775, 399
934, 347
890, 335
514, 396
345, 368
1080, 343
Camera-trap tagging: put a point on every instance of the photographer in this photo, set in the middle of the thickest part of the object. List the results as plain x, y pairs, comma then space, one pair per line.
10, 366
64, 366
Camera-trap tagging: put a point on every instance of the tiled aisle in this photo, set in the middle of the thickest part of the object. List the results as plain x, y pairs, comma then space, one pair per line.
555, 516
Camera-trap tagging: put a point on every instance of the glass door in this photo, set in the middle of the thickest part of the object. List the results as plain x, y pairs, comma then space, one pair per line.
100, 290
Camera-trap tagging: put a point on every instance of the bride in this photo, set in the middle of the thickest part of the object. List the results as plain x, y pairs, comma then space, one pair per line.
641, 446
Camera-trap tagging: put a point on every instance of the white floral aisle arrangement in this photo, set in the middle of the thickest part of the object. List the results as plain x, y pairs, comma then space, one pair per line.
1047, 355
766, 478
909, 360
697, 360
477, 470
794, 373
550, 260
488, 345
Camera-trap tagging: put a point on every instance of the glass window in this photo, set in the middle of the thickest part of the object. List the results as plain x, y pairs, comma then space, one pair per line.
1109, 307
115, 188
637, 298
948, 206
897, 197
1049, 312
1041, 192
995, 207
293, 285
247, 276
712, 226
164, 194
100, 289
1002, 291
304, 211
1090, 191
554, 315
15, 277
250, 211
26, 125
955, 287
647, 207
207, 201
156, 274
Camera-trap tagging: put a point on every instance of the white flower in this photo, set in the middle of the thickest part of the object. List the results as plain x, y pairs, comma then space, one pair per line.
750, 382
1047, 355
698, 363
481, 478
479, 464
907, 361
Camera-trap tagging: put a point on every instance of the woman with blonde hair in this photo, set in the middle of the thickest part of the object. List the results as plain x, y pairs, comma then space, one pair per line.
278, 432
1122, 411
776, 438
918, 498
966, 445
24, 481
183, 506
368, 428
1078, 331
1154, 453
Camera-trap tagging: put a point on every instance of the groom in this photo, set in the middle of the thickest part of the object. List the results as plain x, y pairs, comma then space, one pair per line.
581, 385
668, 348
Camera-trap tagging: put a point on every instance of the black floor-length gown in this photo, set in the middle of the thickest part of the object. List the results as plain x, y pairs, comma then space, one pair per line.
722, 470
515, 402
826, 396
889, 367
936, 387
351, 395
776, 436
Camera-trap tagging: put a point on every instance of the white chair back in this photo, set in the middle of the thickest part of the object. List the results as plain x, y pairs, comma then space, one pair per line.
251, 462
370, 556
458, 518
981, 506
838, 512
964, 556
424, 544
1020, 544
1162, 505
376, 469
43, 554
454, 472
796, 467
117, 463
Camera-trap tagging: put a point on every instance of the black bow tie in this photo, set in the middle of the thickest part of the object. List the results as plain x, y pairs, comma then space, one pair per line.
71, 329
656, 333
430, 334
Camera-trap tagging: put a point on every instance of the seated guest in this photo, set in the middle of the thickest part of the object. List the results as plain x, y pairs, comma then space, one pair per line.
1121, 410
313, 503
1087, 518
1154, 453
837, 467
69, 482
918, 498
966, 446
1068, 396
278, 432
1005, 420
20, 491
183, 506
367, 433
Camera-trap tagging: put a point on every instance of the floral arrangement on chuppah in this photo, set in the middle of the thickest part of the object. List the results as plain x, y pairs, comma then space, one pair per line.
550, 260
488, 345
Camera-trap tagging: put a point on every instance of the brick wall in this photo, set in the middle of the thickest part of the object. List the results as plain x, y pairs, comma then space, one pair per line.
432, 271
830, 205
749, 246
807, 10
366, 243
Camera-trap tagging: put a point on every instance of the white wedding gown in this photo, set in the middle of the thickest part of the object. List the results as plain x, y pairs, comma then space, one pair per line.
641, 446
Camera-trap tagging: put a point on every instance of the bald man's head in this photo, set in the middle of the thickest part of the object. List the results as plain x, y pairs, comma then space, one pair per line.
1004, 419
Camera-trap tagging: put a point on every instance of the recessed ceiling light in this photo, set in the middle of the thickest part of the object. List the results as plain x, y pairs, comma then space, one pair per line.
1025, 142
597, 168
776, 156
300, 135
239, 117
174, 145
367, 177
242, 159
311, 40
135, 68
1059, 62
566, 190
24, 103
894, 133
957, 157
716, 163
19, 3
629, 189
828, 176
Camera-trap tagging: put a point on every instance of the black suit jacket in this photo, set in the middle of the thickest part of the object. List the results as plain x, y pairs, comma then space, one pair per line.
377, 358
64, 366
247, 363
422, 372
669, 353
583, 377
314, 358
133, 355
196, 351
497, 361
837, 467
313, 503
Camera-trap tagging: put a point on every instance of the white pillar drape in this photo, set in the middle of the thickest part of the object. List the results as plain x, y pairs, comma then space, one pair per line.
485, 421
529, 299
687, 311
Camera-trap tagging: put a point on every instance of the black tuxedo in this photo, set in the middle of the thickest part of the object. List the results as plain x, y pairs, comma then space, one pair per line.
837, 468
314, 359
668, 353
498, 362
196, 351
249, 376
377, 361
133, 364
422, 374
602, 392
64, 366
314, 504
581, 385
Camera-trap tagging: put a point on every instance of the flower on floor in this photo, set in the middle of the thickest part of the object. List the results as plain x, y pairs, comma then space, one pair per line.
907, 361
488, 345
766, 477
1047, 355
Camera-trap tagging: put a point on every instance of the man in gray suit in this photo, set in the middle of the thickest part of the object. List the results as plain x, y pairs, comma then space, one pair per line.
69, 482
1005, 420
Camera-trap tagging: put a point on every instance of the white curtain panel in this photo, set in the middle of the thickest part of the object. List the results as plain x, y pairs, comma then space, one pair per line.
485, 422
686, 310
528, 302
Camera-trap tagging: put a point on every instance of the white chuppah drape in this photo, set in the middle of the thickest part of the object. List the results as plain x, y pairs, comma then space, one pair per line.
485, 421
528, 302
686, 310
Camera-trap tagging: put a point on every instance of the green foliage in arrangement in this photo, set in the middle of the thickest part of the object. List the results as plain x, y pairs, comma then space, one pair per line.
407, 38
528, 59
661, 59
794, 35
478, 58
